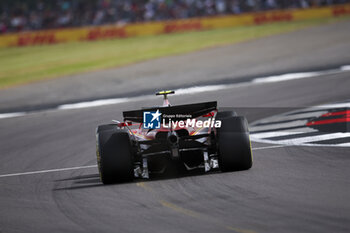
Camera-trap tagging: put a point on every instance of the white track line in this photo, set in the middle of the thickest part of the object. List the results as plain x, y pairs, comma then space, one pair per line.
94, 103
344, 144
11, 115
336, 105
199, 89
290, 117
345, 68
269, 147
277, 126
313, 138
286, 77
47, 171
301, 144
273, 134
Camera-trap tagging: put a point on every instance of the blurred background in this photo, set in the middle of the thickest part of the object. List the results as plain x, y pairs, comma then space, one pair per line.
61, 51
17, 15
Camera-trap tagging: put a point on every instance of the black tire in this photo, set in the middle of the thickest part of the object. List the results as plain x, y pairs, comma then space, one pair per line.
234, 147
114, 156
105, 127
224, 114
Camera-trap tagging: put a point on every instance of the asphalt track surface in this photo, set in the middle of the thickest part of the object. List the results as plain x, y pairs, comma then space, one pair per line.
289, 188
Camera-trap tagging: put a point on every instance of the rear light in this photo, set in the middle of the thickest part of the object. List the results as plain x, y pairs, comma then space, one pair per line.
124, 124
211, 114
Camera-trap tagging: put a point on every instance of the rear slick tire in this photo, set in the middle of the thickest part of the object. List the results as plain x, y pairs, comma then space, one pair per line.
234, 145
114, 156
225, 114
101, 128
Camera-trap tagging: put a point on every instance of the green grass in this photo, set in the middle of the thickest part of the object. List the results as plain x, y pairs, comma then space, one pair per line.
31, 64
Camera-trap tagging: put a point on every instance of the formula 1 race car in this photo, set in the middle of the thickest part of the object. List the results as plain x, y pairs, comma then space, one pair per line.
178, 138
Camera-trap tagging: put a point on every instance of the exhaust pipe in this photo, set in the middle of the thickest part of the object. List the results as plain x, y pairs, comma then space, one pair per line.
174, 145
173, 140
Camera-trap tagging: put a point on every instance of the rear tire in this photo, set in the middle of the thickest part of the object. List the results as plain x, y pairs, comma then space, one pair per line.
105, 127
114, 156
225, 114
234, 147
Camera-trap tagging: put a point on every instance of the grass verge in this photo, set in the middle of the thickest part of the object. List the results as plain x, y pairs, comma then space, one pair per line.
30, 64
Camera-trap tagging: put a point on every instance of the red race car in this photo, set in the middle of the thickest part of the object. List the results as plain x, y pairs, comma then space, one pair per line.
185, 137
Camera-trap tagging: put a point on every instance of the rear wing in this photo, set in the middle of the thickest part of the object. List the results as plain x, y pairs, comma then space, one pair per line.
177, 112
